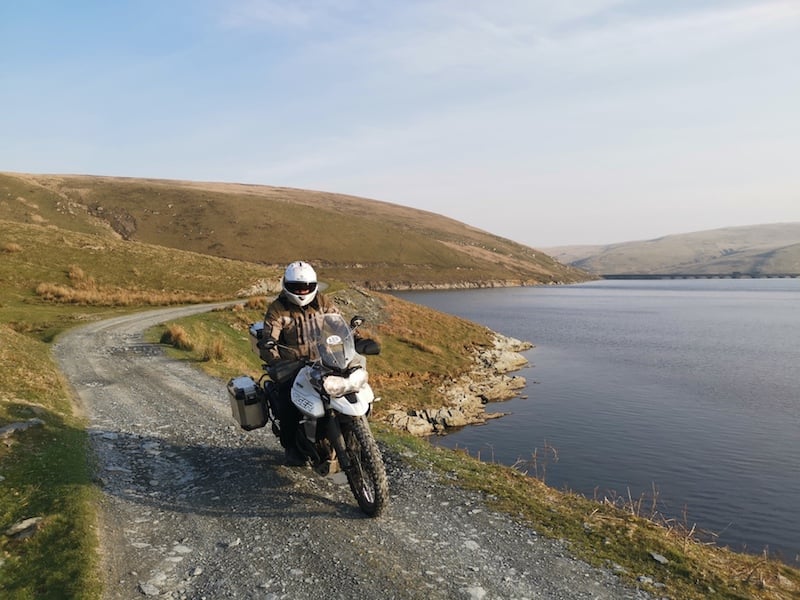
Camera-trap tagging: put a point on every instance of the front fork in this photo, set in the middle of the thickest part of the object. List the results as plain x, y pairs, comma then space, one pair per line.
337, 440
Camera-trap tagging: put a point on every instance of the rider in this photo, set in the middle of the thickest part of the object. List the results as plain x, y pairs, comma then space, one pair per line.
288, 322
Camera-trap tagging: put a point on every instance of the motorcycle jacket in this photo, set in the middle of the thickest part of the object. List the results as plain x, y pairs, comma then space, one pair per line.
291, 326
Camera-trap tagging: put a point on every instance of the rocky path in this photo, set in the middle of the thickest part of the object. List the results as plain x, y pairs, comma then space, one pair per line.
193, 507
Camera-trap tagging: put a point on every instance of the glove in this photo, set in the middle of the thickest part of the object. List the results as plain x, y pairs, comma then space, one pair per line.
367, 346
283, 370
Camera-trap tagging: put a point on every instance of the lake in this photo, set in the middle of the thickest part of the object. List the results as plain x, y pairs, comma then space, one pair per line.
689, 388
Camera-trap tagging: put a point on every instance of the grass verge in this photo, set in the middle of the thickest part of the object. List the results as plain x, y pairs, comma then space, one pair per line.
45, 475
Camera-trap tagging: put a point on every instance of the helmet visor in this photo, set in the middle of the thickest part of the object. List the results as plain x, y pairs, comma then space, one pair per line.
300, 288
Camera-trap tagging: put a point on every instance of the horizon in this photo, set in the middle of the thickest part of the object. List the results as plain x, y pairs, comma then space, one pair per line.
590, 123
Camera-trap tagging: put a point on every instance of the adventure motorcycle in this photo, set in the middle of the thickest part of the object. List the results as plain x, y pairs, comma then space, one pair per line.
332, 393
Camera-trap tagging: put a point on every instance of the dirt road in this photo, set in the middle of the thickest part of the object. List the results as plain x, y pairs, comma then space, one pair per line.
194, 507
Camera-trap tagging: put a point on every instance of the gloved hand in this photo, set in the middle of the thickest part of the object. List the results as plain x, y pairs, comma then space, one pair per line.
283, 370
367, 346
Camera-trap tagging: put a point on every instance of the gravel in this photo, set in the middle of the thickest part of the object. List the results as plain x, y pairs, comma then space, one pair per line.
194, 507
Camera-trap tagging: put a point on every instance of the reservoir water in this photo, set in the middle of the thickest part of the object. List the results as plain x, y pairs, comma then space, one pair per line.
689, 388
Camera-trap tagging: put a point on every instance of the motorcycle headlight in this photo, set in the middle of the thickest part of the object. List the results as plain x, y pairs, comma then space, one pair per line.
339, 386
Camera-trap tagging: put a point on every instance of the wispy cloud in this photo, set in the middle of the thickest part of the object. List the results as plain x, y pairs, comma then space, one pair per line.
440, 35
277, 14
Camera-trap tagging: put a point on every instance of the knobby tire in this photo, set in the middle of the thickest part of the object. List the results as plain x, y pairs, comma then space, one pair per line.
367, 475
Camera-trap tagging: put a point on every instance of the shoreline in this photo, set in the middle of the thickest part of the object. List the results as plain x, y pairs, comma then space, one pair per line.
467, 395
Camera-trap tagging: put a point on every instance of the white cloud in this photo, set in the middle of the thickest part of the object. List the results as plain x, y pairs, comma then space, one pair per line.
438, 35
256, 14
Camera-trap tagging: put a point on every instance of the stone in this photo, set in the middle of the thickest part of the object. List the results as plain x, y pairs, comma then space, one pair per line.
148, 589
475, 593
24, 529
419, 426
659, 558
10, 430
466, 396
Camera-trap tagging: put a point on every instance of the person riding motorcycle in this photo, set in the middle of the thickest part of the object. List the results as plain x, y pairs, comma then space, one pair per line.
289, 321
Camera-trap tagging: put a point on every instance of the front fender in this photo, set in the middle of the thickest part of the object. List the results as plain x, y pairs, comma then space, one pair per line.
364, 398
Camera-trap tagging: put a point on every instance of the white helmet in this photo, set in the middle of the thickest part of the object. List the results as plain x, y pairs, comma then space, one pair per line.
300, 283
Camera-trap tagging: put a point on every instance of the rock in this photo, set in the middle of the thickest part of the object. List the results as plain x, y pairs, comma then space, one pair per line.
475, 593
419, 426
466, 396
24, 529
10, 430
471, 545
148, 589
452, 417
659, 558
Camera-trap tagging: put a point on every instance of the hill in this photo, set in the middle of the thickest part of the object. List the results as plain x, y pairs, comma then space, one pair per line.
765, 250
356, 240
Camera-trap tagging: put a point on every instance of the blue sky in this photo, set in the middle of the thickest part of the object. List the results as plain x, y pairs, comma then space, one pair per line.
550, 123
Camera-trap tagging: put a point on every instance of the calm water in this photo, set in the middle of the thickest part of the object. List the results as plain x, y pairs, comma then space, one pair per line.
689, 387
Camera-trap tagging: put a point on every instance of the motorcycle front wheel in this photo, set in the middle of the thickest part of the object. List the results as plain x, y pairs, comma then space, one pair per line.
367, 473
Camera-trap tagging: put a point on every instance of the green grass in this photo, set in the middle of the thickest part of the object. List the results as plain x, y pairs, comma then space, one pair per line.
228, 329
46, 474
123, 275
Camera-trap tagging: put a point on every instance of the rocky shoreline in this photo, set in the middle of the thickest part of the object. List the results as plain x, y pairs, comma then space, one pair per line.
467, 395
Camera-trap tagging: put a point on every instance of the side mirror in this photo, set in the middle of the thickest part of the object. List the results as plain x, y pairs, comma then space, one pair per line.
356, 322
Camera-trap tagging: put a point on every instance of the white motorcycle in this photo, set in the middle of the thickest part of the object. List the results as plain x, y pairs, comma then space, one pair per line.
332, 393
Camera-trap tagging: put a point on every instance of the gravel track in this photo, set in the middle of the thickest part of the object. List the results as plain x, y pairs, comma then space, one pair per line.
194, 507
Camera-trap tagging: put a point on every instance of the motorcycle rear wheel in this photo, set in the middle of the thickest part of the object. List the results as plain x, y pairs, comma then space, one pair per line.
367, 473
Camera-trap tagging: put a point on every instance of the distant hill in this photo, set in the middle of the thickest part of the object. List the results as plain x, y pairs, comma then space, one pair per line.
350, 239
759, 249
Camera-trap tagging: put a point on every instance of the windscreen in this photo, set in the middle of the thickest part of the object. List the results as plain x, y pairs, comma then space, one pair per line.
335, 344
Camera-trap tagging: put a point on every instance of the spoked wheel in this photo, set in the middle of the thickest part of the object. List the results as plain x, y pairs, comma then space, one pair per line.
367, 473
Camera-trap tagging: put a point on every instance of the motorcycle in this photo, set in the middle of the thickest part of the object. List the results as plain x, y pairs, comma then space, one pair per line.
332, 393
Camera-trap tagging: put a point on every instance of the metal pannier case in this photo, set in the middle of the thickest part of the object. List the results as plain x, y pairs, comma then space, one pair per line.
256, 335
247, 403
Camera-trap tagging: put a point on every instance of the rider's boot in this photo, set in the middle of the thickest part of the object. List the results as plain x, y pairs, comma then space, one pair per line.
293, 457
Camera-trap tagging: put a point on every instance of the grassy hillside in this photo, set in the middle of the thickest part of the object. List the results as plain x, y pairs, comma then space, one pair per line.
52, 278
763, 249
372, 243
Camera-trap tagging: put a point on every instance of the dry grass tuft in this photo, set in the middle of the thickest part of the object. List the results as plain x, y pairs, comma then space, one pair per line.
92, 296
214, 351
80, 279
256, 303
176, 336
418, 344
11, 248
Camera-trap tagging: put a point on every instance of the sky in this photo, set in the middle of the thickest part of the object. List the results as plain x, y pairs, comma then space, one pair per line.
546, 122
